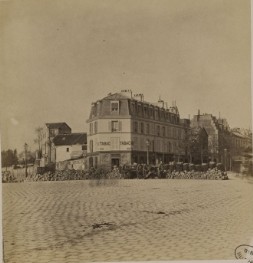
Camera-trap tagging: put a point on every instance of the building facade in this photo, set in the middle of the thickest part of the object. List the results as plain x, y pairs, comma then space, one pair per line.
50, 131
70, 146
123, 130
198, 145
219, 135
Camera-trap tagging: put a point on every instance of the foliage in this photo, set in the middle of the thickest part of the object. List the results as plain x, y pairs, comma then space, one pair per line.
9, 158
30, 157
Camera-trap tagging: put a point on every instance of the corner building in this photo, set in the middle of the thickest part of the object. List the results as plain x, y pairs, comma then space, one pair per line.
123, 130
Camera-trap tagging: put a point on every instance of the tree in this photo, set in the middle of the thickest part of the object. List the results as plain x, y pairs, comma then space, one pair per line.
38, 140
198, 145
9, 158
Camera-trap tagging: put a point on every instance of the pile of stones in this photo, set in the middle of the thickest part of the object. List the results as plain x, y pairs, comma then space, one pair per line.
8, 177
209, 171
211, 174
63, 175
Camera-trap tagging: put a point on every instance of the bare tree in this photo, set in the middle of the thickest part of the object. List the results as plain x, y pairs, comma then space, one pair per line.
38, 140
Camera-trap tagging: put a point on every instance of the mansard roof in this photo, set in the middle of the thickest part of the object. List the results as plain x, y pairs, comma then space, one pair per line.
115, 96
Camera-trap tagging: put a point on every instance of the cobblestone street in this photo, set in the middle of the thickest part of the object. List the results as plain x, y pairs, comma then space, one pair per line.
130, 220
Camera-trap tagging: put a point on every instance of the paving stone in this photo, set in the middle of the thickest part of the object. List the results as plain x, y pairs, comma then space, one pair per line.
151, 220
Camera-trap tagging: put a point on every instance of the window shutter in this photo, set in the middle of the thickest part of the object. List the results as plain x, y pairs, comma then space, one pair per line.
110, 126
120, 125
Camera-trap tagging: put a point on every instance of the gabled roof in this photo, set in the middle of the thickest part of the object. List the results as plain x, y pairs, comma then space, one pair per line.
56, 125
70, 139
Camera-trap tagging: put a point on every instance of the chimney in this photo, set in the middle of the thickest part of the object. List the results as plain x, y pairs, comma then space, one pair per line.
139, 97
198, 116
160, 102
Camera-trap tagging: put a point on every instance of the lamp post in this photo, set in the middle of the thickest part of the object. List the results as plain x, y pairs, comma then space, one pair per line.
25, 147
225, 159
147, 143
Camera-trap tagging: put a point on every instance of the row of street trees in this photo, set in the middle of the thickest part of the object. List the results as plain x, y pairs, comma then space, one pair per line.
9, 158
12, 158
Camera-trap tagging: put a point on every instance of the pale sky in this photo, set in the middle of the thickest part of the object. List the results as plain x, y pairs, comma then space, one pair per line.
58, 56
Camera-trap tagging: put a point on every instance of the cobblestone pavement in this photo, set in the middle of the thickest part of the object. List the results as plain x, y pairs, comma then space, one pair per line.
130, 220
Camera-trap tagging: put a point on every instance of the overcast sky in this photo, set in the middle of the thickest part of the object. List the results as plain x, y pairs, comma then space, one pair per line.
59, 56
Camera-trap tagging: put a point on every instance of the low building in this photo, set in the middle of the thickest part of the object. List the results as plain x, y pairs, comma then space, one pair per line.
70, 146
124, 130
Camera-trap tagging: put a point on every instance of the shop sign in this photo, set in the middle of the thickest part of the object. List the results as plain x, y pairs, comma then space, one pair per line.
126, 143
105, 143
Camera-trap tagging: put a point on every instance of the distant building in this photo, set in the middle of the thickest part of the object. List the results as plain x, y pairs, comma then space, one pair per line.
124, 130
198, 145
241, 149
51, 130
219, 136
70, 146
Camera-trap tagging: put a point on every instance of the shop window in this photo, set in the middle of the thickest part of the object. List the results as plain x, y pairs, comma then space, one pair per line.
169, 147
96, 161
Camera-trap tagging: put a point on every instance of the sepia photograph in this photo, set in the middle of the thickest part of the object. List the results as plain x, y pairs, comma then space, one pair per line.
126, 131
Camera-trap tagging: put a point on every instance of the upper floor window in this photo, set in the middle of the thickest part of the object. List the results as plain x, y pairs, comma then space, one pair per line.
147, 130
146, 112
180, 134
156, 114
136, 126
142, 127
133, 107
53, 132
91, 146
139, 109
151, 113
174, 132
158, 130
95, 127
115, 126
67, 149
163, 131
91, 128
84, 147
114, 106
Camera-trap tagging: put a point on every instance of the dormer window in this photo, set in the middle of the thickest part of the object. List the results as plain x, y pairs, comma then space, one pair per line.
114, 106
